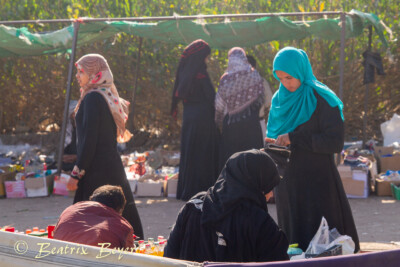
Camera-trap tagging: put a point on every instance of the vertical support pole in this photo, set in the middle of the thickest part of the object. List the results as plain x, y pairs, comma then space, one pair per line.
67, 98
132, 113
341, 64
342, 46
365, 117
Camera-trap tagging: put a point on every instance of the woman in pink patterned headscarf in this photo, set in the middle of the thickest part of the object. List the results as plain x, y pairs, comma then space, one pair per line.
100, 117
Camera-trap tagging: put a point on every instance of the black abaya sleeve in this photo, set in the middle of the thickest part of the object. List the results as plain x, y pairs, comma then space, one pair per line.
208, 90
173, 248
330, 137
272, 243
91, 121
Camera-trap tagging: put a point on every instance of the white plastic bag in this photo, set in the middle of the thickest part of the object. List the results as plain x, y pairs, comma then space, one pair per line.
391, 131
325, 239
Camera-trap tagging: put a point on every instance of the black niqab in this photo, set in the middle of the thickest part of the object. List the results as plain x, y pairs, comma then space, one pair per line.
247, 175
192, 66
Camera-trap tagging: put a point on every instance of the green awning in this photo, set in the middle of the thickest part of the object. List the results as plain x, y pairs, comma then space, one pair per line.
223, 35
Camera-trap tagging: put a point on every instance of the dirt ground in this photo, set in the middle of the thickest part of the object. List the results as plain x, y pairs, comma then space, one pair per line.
377, 218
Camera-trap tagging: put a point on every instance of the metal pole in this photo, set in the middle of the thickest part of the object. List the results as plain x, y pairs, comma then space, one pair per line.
192, 17
342, 46
67, 98
341, 65
132, 114
365, 117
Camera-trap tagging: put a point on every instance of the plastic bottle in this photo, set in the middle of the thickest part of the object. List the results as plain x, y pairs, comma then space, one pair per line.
161, 248
160, 238
151, 242
155, 249
28, 231
148, 249
141, 247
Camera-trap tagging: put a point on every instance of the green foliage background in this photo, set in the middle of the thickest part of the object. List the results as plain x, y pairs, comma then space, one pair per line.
33, 89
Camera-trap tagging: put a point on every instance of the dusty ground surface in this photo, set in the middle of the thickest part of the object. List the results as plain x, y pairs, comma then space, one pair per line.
377, 218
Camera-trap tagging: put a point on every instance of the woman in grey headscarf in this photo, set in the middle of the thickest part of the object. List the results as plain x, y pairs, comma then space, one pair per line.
238, 102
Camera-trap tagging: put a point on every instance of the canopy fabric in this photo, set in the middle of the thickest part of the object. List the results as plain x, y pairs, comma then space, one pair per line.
223, 35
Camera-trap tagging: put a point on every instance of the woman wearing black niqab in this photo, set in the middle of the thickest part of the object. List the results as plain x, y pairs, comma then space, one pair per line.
230, 222
198, 168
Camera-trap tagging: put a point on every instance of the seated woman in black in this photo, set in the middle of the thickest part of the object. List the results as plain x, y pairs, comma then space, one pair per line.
230, 222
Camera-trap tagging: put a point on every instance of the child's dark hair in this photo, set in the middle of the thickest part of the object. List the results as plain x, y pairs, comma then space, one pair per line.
111, 196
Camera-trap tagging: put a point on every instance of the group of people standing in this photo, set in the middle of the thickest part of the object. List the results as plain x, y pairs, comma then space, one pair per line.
305, 115
216, 124
222, 172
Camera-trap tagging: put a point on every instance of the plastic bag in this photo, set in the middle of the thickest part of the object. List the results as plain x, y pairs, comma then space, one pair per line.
325, 239
390, 131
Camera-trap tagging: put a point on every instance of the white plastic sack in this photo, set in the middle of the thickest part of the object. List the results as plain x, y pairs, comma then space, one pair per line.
325, 239
391, 130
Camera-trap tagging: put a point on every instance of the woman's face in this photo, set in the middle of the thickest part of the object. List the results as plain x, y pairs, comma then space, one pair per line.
290, 83
82, 77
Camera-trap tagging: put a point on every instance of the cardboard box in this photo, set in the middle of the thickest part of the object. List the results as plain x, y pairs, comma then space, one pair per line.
172, 186
386, 163
355, 182
362, 179
60, 185
15, 189
6, 176
144, 189
353, 187
132, 184
39, 187
383, 150
390, 163
345, 172
383, 187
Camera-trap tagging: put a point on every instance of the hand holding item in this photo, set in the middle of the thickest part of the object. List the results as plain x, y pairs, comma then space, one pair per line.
283, 140
269, 140
72, 184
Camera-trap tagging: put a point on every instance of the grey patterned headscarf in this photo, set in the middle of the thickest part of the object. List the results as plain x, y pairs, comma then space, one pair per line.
241, 89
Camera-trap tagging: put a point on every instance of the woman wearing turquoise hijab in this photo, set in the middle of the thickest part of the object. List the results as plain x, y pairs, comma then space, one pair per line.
307, 116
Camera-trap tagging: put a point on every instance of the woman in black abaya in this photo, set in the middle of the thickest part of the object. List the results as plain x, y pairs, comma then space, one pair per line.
198, 168
240, 97
100, 117
230, 222
308, 116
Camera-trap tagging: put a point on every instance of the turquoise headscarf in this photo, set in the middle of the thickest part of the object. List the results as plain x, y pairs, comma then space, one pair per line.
290, 109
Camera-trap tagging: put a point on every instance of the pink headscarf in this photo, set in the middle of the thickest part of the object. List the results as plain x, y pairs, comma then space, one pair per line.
101, 81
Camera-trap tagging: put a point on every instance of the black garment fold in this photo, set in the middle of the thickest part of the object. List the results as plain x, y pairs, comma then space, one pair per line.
240, 135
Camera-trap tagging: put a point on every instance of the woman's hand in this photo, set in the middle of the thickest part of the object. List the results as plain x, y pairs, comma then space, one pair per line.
72, 184
269, 140
283, 140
